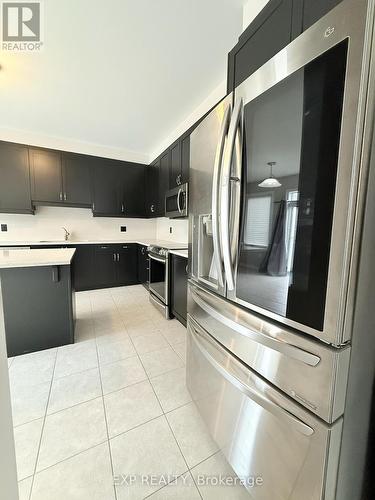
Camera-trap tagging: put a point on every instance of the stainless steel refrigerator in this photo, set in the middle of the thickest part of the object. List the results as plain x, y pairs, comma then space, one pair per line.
279, 195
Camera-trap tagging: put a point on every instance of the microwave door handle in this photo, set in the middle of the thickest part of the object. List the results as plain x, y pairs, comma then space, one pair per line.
215, 195
178, 200
226, 182
248, 388
235, 323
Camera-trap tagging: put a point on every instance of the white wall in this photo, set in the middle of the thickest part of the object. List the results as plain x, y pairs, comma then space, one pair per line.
251, 9
215, 96
47, 222
179, 230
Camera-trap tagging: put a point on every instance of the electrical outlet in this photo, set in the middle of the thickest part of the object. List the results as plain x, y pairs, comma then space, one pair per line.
4, 227
123, 229
170, 229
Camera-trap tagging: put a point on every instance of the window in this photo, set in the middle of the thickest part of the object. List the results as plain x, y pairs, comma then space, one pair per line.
258, 219
291, 225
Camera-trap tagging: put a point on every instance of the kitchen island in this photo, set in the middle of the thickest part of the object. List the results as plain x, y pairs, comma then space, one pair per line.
38, 298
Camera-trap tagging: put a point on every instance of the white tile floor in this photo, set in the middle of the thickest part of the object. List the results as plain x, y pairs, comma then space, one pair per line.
111, 406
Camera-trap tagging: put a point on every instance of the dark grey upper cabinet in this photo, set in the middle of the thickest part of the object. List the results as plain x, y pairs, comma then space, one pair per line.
133, 186
185, 159
46, 172
165, 161
152, 184
105, 189
274, 28
313, 10
175, 176
76, 179
270, 32
15, 194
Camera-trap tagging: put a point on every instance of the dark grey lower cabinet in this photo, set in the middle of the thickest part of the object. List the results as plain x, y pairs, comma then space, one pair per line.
178, 288
38, 308
143, 265
126, 265
83, 268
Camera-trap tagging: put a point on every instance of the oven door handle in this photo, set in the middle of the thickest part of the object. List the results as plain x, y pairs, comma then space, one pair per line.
215, 195
158, 259
248, 387
237, 325
227, 245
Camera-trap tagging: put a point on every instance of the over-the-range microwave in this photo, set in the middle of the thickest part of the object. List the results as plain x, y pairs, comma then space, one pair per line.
176, 202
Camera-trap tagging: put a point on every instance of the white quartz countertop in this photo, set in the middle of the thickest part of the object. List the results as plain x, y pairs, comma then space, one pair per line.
36, 257
141, 241
180, 253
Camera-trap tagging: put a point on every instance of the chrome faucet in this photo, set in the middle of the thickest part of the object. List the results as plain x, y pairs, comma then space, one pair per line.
67, 234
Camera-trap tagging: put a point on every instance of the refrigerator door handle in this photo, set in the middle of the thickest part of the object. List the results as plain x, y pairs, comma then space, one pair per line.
215, 195
227, 245
237, 325
248, 388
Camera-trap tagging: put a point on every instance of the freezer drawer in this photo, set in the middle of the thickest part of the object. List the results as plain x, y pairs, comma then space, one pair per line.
265, 436
311, 372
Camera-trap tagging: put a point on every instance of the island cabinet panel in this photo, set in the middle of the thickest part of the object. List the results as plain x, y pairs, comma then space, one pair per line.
42, 315
15, 190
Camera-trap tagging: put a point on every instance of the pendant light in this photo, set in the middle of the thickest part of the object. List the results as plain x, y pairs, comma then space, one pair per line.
271, 181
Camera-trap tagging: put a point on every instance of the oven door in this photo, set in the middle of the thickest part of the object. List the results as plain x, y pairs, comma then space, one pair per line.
264, 435
289, 199
159, 278
176, 202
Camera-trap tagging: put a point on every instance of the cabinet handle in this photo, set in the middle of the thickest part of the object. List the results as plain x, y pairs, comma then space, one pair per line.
114, 257
122, 208
93, 207
65, 196
152, 208
118, 257
55, 274
61, 196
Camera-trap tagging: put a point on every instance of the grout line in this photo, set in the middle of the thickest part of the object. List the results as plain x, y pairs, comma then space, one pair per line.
42, 430
104, 409
177, 443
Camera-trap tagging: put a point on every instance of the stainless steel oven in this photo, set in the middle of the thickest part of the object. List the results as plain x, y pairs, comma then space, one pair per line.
176, 202
159, 278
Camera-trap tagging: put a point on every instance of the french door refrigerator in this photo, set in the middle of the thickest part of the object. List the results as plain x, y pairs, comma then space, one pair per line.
278, 177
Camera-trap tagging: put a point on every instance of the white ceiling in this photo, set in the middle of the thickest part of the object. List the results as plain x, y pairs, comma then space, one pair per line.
118, 73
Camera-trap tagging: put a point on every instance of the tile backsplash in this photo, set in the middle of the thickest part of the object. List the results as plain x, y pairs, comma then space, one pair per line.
47, 224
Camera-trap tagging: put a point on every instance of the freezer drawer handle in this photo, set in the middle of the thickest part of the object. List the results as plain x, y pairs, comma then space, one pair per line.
264, 401
288, 349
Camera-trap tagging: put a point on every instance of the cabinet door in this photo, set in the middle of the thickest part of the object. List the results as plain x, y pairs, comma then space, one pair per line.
143, 265
127, 272
179, 288
269, 33
185, 159
313, 10
105, 265
15, 195
163, 181
83, 268
106, 186
152, 182
76, 180
175, 166
133, 190
46, 175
